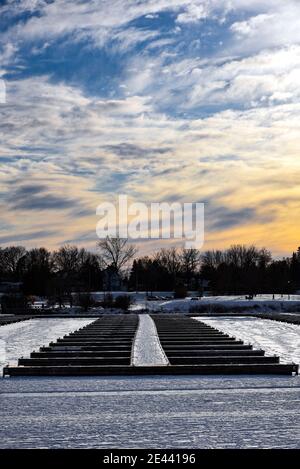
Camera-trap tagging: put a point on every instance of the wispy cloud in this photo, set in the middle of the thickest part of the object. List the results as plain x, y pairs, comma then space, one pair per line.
194, 100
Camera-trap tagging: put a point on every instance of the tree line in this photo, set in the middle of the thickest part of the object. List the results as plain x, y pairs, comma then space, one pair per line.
236, 270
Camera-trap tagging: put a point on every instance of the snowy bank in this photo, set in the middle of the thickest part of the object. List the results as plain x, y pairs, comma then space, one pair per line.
223, 304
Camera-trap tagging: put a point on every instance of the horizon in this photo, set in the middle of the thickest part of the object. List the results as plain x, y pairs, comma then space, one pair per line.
140, 254
165, 101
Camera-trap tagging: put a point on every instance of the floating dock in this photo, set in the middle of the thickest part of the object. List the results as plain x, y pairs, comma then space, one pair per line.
105, 347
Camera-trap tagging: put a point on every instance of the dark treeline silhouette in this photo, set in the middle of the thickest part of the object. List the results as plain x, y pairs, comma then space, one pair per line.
44, 273
168, 270
237, 270
242, 269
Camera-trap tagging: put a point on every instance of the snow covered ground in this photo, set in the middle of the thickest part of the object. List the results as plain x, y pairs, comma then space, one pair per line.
147, 350
140, 300
150, 412
261, 303
276, 338
21, 338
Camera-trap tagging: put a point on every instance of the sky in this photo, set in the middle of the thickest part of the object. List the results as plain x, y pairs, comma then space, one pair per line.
162, 100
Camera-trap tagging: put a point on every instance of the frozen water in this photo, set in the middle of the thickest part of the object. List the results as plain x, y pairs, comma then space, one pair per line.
150, 412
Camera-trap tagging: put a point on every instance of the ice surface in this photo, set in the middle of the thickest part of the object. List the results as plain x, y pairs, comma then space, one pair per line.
19, 339
147, 350
276, 338
150, 412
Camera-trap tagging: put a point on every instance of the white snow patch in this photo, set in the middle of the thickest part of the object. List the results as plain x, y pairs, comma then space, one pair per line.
261, 303
20, 339
147, 350
276, 338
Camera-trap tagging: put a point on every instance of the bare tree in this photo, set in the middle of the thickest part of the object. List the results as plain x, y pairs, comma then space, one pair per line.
245, 256
264, 257
116, 252
171, 260
190, 259
66, 259
212, 259
11, 257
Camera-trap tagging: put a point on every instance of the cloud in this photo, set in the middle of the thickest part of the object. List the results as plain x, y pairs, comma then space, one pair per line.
128, 149
102, 21
194, 13
34, 197
277, 27
222, 218
259, 80
28, 191
155, 158
7, 53
216, 123
98, 20
28, 236
44, 202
